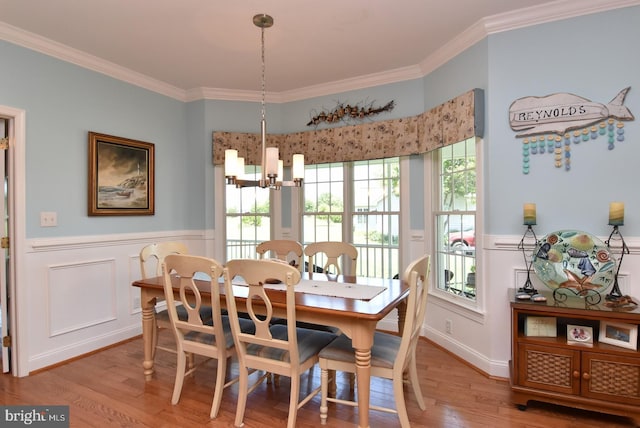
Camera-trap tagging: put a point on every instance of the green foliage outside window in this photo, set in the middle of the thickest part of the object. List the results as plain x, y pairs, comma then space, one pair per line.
326, 204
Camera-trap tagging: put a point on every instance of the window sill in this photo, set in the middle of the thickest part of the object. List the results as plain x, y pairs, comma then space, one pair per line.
458, 304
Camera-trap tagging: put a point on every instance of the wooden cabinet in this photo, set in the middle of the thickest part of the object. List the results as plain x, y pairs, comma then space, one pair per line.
594, 376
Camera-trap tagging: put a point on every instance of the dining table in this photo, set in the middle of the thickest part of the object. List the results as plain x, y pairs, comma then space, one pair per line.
354, 304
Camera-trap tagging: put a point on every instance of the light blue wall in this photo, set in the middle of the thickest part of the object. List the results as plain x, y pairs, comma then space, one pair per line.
63, 103
296, 114
593, 57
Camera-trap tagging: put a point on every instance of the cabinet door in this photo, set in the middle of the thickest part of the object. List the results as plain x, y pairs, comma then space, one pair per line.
548, 368
611, 377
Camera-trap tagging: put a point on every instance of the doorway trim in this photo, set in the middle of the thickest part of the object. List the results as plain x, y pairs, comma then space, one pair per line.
18, 312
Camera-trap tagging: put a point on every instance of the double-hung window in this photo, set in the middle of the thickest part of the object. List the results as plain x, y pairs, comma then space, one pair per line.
356, 202
455, 219
248, 219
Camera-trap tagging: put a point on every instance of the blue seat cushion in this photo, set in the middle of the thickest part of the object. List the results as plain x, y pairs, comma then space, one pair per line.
310, 342
383, 353
246, 326
205, 314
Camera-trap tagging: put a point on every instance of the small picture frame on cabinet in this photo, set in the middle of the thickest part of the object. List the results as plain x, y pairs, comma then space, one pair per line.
579, 335
540, 326
619, 334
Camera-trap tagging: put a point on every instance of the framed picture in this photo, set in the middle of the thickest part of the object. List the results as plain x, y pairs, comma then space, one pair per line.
619, 334
579, 335
121, 176
540, 326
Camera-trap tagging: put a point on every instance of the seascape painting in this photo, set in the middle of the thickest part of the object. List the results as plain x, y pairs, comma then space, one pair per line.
121, 176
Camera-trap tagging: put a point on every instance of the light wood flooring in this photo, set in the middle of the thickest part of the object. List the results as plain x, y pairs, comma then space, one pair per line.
107, 389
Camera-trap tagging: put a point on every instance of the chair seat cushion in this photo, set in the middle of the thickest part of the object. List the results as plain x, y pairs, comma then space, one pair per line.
307, 325
383, 353
310, 342
205, 314
246, 326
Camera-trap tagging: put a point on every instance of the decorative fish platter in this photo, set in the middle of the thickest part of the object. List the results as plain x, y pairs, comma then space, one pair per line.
561, 112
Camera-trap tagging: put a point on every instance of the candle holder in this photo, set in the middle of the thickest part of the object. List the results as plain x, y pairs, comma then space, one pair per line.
616, 295
528, 285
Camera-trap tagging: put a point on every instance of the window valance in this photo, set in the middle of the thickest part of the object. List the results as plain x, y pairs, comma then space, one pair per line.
448, 123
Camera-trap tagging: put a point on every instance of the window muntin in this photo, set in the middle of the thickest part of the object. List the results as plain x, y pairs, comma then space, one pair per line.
248, 220
455, 219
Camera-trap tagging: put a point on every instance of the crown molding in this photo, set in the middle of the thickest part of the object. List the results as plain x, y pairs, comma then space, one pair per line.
549, 12
74, 56
351, 84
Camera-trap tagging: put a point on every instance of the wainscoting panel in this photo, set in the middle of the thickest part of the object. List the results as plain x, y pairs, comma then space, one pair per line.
81, 295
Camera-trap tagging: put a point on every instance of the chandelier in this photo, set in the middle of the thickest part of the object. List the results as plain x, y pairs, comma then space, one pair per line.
271, 166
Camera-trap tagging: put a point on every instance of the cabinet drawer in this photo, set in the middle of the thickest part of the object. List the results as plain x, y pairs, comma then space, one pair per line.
548, 368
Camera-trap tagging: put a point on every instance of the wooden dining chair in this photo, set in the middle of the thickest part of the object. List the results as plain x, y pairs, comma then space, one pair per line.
391, 355
151, 258
284, 249
330, 252
284, 350
209, 337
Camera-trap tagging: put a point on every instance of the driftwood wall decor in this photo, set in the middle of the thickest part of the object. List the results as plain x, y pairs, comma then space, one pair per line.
448, 123
348, 113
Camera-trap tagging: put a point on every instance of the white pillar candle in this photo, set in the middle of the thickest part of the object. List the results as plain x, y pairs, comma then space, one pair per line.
616, 213
529, 214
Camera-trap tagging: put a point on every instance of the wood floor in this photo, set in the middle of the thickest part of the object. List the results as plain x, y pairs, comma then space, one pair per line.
107, 389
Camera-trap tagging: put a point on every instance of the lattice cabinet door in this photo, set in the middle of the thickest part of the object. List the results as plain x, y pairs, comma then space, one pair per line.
611, 377
548, 368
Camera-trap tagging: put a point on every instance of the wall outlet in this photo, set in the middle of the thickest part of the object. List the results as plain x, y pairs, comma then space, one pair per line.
448, 326
48, 219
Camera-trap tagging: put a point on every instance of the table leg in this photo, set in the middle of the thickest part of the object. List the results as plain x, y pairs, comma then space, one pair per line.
363, 377
362, 340
148, 325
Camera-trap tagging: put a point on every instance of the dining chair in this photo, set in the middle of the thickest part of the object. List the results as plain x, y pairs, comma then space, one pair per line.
391, 355
212, 337
284, 350
151, 258
283, 249
330, 252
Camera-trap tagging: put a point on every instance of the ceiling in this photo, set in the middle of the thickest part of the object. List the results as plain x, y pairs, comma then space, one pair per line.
189, 48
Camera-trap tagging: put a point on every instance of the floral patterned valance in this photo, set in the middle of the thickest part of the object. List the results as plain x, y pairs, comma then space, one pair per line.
448, 123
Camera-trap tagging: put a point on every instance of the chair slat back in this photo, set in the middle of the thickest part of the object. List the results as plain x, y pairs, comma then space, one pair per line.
186, 268
417, 276
153, 255
255, 273
283, 249
332, 251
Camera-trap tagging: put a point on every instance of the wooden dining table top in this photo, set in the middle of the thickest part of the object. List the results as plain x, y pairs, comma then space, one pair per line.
374, 309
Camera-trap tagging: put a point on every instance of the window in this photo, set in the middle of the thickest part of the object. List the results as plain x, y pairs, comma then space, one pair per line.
365, 214
376, 208
455, 217
248, 220
323, 203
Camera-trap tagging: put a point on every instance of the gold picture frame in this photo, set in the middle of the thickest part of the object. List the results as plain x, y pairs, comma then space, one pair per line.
121, 176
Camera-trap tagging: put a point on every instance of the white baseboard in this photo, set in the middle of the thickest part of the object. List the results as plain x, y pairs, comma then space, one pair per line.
58, 355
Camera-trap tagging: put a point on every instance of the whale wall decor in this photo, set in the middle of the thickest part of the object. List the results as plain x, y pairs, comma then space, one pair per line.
550, 124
